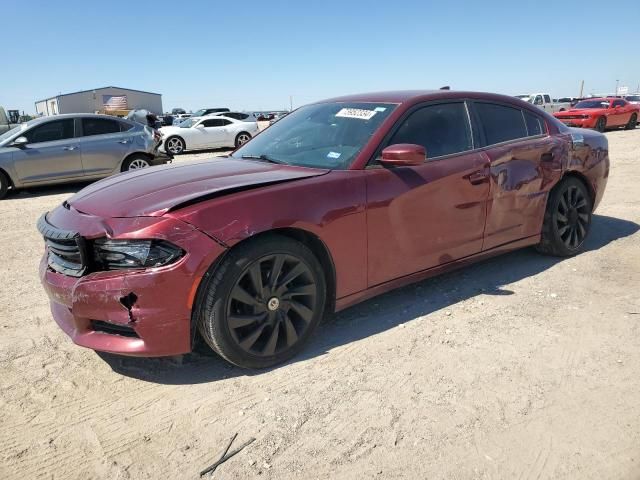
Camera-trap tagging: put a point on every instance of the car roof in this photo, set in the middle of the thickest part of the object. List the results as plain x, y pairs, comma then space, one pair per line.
415, 96
77, 115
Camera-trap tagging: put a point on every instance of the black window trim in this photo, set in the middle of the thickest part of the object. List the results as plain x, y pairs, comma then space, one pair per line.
374, 161
483, 141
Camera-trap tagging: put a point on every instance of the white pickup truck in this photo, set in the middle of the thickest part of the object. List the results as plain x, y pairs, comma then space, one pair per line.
543, 101
6, 123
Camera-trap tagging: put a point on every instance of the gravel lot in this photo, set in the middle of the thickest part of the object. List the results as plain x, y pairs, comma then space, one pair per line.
523, 367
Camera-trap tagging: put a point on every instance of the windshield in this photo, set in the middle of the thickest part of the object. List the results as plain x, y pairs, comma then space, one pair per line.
14, 132
199, 113
325, 135
592, 104
526, 98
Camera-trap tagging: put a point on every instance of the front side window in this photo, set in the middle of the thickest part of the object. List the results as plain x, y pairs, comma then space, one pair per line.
322, 135
51, 131
99, 126
538, 100
501, 123
441, 129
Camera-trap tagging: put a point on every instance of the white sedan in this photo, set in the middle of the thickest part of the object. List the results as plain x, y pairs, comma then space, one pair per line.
207, 132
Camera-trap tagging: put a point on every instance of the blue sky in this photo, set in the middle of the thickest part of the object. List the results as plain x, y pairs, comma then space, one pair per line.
254, 55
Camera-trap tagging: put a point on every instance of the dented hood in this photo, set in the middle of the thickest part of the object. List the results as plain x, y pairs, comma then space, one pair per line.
154, 191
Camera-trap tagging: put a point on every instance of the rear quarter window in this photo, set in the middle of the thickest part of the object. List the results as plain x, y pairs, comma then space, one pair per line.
500, 123
535, 125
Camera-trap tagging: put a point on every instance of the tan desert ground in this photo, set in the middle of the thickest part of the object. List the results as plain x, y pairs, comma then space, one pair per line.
522, 367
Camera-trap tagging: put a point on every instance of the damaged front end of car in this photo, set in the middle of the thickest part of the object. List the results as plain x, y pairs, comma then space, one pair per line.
124, 285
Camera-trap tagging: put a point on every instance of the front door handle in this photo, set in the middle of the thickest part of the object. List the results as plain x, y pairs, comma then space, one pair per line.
476, 178
69, 148
124, 142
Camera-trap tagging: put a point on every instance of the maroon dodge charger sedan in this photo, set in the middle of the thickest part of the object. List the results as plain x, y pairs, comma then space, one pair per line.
338, 201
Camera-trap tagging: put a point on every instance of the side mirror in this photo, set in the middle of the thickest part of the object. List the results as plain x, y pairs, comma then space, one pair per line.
403, 155
19, 142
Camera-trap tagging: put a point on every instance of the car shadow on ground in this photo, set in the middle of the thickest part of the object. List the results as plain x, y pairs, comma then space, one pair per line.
45, 190
378, 314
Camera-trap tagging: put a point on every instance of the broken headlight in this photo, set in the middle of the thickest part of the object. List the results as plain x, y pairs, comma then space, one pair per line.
123, 254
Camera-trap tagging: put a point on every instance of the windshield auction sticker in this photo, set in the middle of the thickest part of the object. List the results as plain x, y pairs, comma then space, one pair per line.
356, 113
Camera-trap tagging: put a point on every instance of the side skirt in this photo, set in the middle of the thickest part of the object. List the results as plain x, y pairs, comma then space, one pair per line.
358, 297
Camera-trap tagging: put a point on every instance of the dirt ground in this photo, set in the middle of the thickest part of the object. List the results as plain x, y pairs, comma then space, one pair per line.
522, 367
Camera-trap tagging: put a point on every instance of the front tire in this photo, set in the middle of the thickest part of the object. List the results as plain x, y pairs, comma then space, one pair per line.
567, 219
242, 138
601, 124
262, 303
632, 122
175, 145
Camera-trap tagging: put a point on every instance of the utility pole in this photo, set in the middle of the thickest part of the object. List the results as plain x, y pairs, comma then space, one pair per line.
581, 88
291, 103
616, 92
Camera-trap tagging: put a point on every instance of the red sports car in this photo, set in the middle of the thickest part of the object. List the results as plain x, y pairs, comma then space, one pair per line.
601, 113
337, 202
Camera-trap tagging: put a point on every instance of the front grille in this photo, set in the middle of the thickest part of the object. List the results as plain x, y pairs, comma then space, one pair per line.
65, 249
113, 329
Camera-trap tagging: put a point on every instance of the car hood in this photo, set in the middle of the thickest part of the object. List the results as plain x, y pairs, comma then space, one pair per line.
156, 190
578, 111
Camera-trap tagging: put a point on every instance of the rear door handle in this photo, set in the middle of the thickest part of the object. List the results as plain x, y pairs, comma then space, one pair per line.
476, 178
69, 148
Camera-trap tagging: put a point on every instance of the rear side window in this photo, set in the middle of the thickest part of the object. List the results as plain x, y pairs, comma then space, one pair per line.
99, 126
547, 99
534, 124
500, 123
442, 129
51, 131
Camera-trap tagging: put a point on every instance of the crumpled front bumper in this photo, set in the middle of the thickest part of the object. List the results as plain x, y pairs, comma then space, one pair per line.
135, 312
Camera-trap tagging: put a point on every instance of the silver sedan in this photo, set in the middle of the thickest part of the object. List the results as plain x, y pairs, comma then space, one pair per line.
74, 147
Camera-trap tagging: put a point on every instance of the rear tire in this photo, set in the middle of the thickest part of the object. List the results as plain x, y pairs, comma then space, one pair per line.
260, 305
4, 185
601, 124
135, 162
567, 219
632, 122
175, 145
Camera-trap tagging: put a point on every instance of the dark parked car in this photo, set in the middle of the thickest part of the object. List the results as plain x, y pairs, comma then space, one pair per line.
74, 147
337, 202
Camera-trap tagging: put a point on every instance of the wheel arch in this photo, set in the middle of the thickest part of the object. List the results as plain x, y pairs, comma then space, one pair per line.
583, 178
131, 154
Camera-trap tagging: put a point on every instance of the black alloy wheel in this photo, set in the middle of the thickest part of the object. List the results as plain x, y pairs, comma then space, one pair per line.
601, 124
262, 301
271, 305
567, 219
572, 217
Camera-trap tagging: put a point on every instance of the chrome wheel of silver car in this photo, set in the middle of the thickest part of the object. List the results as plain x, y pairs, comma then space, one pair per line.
175, 145
138, 163
242, 138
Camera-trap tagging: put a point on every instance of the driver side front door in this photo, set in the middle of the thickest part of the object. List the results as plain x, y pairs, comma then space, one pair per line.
431, 214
